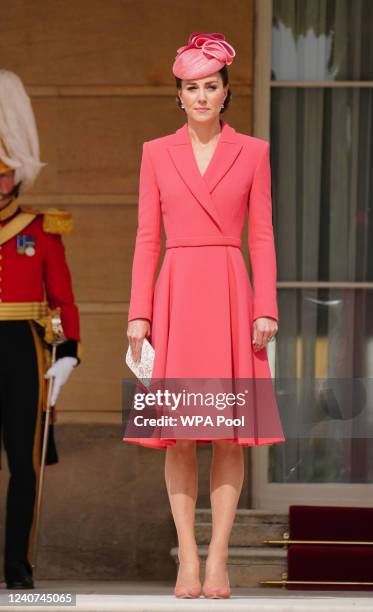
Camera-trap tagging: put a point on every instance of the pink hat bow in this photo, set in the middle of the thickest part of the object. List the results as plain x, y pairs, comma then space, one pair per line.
204, 54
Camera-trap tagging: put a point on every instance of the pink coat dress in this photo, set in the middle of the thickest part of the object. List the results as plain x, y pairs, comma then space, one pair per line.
202, 306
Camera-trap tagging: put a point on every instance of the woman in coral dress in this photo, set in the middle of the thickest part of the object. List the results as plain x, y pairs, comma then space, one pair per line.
203, 317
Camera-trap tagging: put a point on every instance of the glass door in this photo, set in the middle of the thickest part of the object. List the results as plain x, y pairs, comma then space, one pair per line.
320, 126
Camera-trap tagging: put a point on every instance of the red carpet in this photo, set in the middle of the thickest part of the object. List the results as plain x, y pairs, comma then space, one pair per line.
330, 562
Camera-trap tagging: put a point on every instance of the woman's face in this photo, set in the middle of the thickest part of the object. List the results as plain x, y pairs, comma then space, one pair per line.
203, 98
6, 185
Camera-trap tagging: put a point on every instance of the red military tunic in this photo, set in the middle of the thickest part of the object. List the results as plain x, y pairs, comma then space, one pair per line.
42, 274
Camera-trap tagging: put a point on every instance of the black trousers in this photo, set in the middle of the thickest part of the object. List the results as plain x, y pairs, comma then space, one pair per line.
19, 393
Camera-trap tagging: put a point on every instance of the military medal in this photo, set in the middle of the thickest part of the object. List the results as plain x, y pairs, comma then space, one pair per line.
30, 250
25, 245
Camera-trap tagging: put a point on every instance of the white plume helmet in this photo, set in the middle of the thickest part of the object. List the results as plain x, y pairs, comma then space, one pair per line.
18, 131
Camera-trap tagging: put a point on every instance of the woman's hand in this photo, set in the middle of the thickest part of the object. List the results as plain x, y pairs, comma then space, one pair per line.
137, 330
264, 328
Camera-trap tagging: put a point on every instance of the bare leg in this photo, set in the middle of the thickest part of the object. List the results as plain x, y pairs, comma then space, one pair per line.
181, 476
226, 478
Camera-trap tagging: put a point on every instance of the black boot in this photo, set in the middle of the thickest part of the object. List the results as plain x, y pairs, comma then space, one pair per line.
18, 575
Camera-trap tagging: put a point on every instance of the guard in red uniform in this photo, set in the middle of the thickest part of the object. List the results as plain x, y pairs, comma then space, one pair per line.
34, 277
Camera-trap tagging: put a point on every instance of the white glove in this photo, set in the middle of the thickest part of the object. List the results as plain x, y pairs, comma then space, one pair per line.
60, 371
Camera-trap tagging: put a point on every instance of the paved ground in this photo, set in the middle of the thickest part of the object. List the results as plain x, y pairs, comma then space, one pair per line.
156, 597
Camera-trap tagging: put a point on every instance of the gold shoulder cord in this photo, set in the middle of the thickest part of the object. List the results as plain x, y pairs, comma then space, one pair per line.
55, 220
58, 221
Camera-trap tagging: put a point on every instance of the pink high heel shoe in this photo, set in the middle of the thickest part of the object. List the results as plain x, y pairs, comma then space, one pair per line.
187, 593
184, 593
216, 593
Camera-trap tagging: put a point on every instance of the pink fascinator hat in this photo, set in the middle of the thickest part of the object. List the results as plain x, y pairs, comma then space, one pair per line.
204, 54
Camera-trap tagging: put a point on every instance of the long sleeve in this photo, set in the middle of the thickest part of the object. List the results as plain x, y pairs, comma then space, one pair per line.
261, 240
148, 242
59, 292
58, 286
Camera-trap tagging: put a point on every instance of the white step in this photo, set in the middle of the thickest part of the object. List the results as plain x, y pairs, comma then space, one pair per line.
120, 596
246, 515
251, 527
248, 565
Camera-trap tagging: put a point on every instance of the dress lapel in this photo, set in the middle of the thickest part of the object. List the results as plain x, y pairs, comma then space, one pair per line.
225, 154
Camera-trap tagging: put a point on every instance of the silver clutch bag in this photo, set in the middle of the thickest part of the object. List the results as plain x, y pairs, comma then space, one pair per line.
143, 369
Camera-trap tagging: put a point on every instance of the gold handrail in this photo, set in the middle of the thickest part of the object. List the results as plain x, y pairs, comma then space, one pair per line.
344, 542
284, 582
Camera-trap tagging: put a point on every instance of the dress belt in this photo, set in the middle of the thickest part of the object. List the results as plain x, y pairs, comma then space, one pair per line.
204, 241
